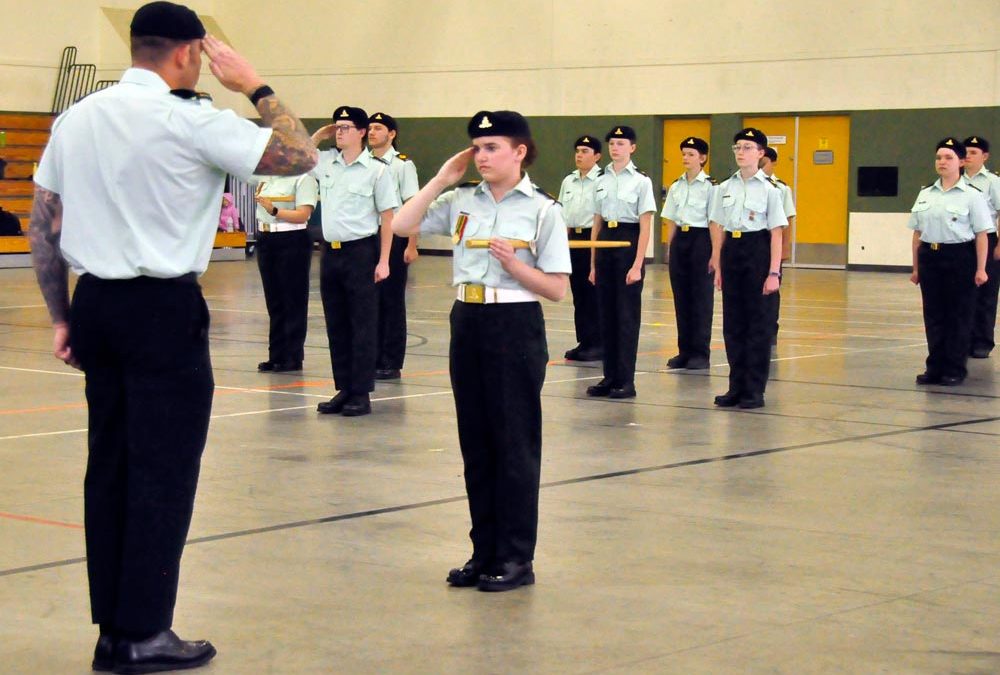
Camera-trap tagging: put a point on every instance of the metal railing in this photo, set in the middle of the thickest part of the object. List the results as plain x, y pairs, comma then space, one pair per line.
74, 81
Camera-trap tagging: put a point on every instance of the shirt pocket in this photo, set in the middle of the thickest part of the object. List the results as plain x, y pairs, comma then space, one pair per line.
756, 204
957, 214
522, 226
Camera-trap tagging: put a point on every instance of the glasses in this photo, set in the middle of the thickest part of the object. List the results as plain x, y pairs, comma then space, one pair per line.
343, 127
745, 147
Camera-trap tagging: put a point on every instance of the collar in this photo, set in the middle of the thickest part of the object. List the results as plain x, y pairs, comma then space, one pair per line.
145, 78
591, 175
962, 184
365, 159
389, 155
524, 186
629, 168
700, 178
982, 172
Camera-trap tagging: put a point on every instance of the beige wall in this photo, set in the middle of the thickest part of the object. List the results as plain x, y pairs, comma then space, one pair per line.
558, 57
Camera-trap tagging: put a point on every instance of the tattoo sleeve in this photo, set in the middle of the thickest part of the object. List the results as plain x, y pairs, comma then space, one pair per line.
291, 151
50, 268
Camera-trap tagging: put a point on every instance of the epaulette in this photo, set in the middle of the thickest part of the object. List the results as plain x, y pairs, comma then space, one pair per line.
600, 172
188, 94
711, 180
974, 187
538, 189
380, 159
772, 181
403, 156
640, 171
679, 179
470, 183
781, 181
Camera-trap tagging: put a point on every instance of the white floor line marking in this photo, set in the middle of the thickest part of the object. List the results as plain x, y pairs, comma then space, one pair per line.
44, 372
23, 307
271, 391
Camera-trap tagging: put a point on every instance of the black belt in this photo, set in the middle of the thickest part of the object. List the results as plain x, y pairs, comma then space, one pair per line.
690, 229
938, 247
189, 278
612, 224
332, 246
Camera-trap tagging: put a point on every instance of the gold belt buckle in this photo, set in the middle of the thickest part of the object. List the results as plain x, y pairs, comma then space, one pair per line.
335, 245
264, 227
935, 247
612, 224
579, 230
685, 228
474, 293
737, 234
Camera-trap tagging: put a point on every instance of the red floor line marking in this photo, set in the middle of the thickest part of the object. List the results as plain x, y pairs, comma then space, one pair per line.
48, 408
40, 521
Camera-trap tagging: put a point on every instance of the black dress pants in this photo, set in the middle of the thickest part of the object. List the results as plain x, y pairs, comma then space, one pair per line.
620, 303
693, 290
748, 316
143, 345
392, 310
284, 259
948, 290
985, 319
350, 305
497, 361
585, 305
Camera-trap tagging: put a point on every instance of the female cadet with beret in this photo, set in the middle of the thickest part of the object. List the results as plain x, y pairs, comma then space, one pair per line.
498, 351
949, 220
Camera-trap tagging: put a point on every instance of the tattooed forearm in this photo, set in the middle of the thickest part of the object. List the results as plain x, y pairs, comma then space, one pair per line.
50, 268
291, 150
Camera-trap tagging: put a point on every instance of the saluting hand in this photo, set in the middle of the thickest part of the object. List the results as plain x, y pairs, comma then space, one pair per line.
324, 133
452, 171
232, 70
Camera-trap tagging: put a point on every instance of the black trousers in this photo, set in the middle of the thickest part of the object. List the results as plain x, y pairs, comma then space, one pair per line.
948, 289
284, 259
620, 304
985, 319
585, 306
694, 291
143, 345
350, 305
497, 361
392, 309
748, 316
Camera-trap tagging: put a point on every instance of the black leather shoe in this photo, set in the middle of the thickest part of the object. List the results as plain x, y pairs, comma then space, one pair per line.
928, 378
751, 402
104, 654
980, 353
951, 380
507, 577
727, 400
465, 576
675, 362
265, 366
602, 388
334, 405
628, 391
357, 405
387, 374
287, 367
163, 651
698, 364
591, 354
572, 354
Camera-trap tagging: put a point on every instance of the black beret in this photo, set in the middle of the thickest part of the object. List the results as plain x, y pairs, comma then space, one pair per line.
588, 142
350, 114
953, 144
771, 154
498, 123
167, 20
751, 134
977, 142
695, 143
388, 120
621, 132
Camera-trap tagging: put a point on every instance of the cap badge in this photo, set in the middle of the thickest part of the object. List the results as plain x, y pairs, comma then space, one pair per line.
690, 141
586, 140
749, 134
378, 116
485, 123
618, 131
949, 142
344, 113
975, 140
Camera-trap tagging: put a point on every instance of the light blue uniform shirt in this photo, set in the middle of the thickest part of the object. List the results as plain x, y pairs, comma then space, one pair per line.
689, 204
519, 215
989, 184
748, 206
140, 174
404, 171
787, 201
302, 188
625, 196
951, 217
354, 194
576, 195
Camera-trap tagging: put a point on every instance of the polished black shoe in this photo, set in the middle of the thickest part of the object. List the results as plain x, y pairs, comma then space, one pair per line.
628, 391
602, 388
572, 354
265, 366
334, 405
951, 380
465, 576
591, 354
163, 651
698, 364
287, 367
507, 577
928, 378
676, 362
357, 405
104, 654
387, 374
751, 402
980, 353
727, 400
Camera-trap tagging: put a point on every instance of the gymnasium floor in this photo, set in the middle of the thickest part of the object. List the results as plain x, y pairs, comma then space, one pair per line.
848, 527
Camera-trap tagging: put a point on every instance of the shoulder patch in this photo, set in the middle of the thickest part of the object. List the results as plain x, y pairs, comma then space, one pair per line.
469, 183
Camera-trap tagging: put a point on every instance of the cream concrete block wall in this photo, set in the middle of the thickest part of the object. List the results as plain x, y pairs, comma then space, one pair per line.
879, 239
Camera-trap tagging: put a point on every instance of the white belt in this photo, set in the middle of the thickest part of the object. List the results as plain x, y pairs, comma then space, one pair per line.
281, 227
478, 294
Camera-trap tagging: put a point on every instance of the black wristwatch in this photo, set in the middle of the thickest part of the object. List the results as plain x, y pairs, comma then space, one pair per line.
274, 211
774, 274
259, 93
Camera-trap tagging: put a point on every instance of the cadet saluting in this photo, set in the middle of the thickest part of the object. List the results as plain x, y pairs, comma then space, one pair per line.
498, 351
949, 220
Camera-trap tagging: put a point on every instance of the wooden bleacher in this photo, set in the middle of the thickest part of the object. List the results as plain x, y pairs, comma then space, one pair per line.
26, 137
